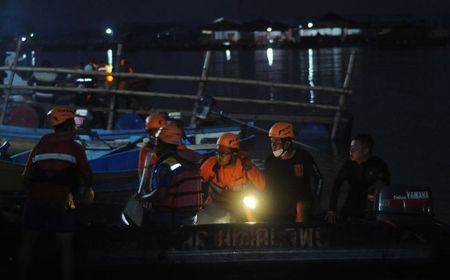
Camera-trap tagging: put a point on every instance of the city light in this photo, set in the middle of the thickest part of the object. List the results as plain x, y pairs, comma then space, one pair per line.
109, 31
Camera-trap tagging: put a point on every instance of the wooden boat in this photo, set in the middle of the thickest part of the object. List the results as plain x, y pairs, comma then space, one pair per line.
395, 240
114, 169
24, 138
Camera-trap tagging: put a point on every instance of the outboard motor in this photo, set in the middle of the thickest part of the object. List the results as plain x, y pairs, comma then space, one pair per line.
205, 104
401, 199
83, 119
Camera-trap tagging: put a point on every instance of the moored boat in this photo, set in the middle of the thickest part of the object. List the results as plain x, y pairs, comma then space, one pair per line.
114, 169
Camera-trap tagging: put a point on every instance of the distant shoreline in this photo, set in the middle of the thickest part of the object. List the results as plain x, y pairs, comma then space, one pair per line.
193, 46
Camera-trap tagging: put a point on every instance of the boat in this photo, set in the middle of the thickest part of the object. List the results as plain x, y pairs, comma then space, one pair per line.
24, 138
402, 237
114, 169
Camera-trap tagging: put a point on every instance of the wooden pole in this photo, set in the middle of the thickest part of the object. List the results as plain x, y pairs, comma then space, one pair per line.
10, 81
201, 85
227, 116
343, 97
210, 79
112, 104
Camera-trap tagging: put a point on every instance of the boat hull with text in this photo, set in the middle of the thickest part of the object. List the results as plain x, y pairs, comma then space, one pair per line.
258, 249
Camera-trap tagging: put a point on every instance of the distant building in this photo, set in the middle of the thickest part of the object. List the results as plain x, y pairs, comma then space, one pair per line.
255, 32
330, 25
221, 31
263, 32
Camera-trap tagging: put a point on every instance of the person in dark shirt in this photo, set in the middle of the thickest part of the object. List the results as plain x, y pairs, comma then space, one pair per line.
293, 179
365, 174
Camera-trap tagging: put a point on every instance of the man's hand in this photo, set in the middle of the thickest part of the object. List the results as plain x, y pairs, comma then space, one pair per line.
70, 202
331, 217
88, 196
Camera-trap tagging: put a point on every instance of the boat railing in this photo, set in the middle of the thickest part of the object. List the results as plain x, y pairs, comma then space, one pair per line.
327, 110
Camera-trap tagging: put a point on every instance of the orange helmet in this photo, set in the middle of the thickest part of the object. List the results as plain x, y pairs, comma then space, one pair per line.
154, 121
60, 114
229, 140
282, 130
170, 134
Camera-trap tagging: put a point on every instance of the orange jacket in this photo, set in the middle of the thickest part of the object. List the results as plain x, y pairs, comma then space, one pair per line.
233, 176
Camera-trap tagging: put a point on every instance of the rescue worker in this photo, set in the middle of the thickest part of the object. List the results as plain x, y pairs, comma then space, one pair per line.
134, 207
366, 174
293, 178
176, 186
229, 177
55, 174
147, 158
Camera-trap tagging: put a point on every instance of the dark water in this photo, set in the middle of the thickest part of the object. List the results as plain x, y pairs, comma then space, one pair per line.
400, 96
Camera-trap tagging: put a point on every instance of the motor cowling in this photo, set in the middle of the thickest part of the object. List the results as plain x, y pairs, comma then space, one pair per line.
403, 199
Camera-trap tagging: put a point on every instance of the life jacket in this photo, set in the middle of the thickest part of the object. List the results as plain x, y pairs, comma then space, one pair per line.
228, 196
52, 172
185, 192
55, 164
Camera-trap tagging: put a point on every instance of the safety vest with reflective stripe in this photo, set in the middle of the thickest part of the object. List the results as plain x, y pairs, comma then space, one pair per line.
56, 156
185, 191
55, 162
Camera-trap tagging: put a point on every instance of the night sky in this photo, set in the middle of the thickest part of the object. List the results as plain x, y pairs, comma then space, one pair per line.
47, 16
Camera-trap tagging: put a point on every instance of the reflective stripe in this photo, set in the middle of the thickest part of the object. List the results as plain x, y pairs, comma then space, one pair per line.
81, 80
57, 156
175, 166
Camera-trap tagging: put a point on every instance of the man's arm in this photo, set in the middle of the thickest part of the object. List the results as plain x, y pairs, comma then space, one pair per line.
255, 176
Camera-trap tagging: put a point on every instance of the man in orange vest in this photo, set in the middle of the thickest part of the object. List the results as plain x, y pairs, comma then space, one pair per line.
229, 177
55, 173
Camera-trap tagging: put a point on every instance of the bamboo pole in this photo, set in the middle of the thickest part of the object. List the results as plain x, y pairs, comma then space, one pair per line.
112, 105
10, 81
227, 116
114, 91
333, 90
179, 96
342, 97
201, 85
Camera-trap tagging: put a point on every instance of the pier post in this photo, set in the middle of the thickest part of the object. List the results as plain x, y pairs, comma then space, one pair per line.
337, 123
112, 104
10, 81
201, 85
